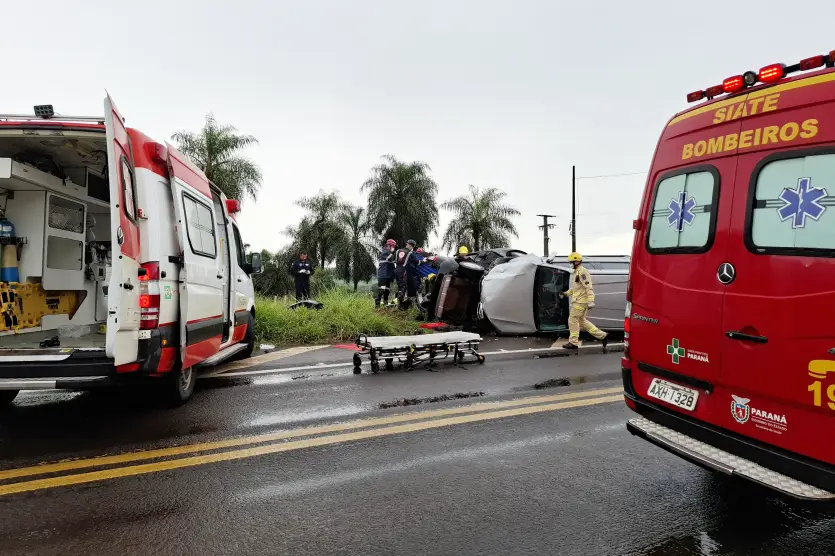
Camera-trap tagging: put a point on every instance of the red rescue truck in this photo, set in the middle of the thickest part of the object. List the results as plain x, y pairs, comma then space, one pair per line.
730, 321
121, 262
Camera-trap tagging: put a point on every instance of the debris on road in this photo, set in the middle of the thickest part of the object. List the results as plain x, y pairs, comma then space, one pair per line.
432, 399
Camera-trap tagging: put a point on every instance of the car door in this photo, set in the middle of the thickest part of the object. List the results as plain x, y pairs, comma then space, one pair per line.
201, 279
123, 315
778, 372
677, 301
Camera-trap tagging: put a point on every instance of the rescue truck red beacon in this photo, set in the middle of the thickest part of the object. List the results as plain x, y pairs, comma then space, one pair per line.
730, 346
121, 262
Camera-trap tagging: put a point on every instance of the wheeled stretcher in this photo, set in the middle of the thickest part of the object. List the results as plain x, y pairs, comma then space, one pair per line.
416, 351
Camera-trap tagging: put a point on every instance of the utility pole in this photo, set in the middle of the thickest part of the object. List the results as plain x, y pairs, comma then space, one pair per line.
573, 209
545, 227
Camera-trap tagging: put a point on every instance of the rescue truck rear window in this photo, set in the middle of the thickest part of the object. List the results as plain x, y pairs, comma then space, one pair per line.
794, 204
681, 216
200, 227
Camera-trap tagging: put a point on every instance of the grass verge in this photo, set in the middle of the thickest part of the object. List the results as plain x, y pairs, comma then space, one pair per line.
344, 316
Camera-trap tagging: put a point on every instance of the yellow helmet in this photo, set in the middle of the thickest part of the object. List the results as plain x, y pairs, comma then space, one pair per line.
463, 250
431, 277
575, 257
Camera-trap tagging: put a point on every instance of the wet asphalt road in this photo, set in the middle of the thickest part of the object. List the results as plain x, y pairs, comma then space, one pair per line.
513, 471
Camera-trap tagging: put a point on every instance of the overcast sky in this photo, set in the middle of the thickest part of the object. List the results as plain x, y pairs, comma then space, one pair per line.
492, 93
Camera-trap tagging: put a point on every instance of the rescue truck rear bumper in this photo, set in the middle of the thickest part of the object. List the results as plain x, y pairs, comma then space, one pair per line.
720, 450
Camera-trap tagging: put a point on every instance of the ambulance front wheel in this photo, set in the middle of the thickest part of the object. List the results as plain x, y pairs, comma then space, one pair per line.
249, 339
7, 397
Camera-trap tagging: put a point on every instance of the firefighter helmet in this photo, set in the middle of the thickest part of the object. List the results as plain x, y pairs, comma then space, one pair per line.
575, 257
463, 250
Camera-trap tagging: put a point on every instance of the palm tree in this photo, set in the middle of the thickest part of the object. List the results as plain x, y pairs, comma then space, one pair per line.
480, 220
217, 149
355, 261
320, 231
401, 200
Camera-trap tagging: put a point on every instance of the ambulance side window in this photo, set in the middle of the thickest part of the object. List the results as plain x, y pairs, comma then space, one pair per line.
683, 215
239, 247
200, 227
792, 209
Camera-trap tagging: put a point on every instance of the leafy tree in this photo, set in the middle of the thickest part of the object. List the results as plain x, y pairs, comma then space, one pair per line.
217, 150
401, 200
320, 231
355, 261
480, 220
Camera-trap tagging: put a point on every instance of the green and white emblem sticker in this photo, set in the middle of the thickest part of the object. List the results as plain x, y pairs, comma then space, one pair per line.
677, 353
168, 294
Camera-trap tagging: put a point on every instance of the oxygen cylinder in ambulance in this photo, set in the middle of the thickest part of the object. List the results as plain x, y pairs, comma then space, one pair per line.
8, 266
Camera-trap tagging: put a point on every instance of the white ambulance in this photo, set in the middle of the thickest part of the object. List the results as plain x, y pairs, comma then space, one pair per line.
121, 262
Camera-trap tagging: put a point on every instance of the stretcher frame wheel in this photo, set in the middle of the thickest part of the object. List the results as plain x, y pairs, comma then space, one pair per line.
375, 367
357, 360
480, 359
389, 363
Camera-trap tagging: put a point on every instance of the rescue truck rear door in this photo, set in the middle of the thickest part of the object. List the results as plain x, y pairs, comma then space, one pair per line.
122, 339
778, 371
201, 279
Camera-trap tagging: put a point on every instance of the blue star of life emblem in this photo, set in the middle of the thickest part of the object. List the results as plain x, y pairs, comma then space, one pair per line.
681, 211
801, 202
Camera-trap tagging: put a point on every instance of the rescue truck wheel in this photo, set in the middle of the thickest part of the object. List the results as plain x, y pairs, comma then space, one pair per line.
6, 397
179, 386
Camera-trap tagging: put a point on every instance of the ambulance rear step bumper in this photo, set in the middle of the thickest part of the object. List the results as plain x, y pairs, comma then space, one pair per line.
55, 383
711, 457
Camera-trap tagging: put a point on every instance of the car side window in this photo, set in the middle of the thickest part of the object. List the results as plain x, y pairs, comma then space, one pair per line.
684, 213
793, 206
200, 227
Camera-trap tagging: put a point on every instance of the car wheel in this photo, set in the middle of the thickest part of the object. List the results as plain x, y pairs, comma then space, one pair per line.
7, 397
470, 271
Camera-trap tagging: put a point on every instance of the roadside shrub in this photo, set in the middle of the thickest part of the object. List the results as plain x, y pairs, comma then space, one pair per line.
345, 315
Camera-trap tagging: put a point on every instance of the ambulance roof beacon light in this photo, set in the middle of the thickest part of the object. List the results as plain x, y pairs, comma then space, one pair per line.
769, 74
44, 111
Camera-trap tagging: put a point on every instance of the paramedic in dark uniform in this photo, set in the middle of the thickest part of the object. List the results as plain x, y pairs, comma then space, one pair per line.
412, 275
385, 272
401, 259
301, 271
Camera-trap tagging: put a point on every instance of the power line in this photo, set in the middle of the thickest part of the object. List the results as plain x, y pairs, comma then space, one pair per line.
611, 175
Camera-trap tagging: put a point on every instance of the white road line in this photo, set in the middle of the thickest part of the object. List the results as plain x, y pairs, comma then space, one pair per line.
325, 366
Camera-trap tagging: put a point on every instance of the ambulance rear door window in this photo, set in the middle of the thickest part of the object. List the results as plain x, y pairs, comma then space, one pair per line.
683, 216
792, 206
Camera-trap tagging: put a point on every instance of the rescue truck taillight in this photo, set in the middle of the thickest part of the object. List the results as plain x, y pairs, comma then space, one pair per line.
149, 296
768, 74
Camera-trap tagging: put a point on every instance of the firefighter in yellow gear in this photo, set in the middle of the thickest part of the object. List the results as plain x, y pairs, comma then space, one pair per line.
582, 299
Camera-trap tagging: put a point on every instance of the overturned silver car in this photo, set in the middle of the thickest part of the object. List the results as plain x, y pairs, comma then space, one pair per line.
516, 293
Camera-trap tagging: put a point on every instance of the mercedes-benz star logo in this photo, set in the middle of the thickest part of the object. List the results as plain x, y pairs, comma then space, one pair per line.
726, 273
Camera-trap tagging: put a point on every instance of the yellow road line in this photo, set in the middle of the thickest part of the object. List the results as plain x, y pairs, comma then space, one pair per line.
62, 466
168, 465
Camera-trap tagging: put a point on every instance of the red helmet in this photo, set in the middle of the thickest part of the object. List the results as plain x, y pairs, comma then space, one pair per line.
419, 250
391, 243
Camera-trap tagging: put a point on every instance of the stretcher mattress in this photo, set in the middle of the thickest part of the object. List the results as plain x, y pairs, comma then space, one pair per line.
403, 342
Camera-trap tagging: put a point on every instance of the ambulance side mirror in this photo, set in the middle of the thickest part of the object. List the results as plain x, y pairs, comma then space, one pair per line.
255, 264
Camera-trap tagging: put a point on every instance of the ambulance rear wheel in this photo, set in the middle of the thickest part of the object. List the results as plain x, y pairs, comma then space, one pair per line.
7, 397
178, 386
